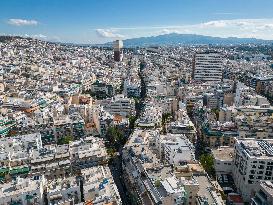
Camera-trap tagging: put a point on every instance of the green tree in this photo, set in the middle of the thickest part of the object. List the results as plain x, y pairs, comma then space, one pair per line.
65, 140
157, 183
111, 151
115, 135
132, 120
207, 162
216, 112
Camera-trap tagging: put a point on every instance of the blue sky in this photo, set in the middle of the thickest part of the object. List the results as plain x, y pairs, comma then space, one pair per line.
97, 21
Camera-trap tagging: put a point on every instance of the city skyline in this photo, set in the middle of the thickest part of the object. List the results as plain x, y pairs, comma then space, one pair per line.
104, 21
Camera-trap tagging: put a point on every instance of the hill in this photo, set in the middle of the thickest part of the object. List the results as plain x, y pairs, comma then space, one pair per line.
188, 39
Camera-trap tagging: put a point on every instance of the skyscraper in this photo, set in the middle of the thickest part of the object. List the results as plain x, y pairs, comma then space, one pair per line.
118, 44
208, 66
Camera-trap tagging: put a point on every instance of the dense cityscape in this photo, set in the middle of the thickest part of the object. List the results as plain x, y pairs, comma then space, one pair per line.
151, 125
136, 102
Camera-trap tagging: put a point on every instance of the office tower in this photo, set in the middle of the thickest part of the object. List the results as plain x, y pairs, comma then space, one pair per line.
208, 66
118, 44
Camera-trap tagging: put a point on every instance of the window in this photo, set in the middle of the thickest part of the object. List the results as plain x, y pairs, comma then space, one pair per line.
269, 168
261, 167
259, 177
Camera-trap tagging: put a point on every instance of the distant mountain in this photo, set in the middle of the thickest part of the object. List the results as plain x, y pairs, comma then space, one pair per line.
189, 39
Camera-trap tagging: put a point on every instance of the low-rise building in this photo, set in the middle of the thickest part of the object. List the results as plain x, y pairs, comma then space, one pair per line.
223, 160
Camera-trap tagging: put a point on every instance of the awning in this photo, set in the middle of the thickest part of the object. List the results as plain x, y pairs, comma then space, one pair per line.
19, 170
3, 170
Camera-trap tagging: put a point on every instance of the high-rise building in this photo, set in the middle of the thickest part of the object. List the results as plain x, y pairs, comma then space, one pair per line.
118, 44
208, 66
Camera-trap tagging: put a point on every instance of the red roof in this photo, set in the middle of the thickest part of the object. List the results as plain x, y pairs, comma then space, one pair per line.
235, 198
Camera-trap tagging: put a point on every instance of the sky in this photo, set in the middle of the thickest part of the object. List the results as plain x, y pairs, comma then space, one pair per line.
99, 21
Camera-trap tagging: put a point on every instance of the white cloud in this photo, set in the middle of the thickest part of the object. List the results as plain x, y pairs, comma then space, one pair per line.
218, 24
259, 28
242, 23
22, 22
108, 33
37, 36
168, 31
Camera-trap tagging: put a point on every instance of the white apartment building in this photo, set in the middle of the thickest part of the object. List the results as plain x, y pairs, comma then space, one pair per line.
175, 149
64, 191
99, 186
223, 159
151, 117
119, 105
132, 88
172, 191
264, 194
253, 162
208, 66
246, 96
22, 191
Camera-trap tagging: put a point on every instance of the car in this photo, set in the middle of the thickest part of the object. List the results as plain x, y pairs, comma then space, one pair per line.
228, 190
225, 178
208, 150
219, 179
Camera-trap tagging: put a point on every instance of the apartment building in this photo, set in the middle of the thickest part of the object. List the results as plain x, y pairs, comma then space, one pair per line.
23, 191
246, 96
264, 194
119, 105
223, 159
175, 149
98, 186
208, 66
26, 155
253, 162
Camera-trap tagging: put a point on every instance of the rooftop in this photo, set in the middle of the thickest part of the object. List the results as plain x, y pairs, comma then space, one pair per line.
223, 153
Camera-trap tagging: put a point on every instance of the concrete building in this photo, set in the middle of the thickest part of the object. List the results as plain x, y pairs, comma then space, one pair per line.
223, 160
99, 187
119, 105
264, 194
175, 149
118, 44
23, 191
208, 66
253, 162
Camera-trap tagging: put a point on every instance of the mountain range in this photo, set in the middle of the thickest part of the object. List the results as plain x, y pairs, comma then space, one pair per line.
173, 39
188, 39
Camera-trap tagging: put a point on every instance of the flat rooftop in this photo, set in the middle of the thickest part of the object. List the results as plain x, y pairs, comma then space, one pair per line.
268, 186
206, 190
257, 148
224, 153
